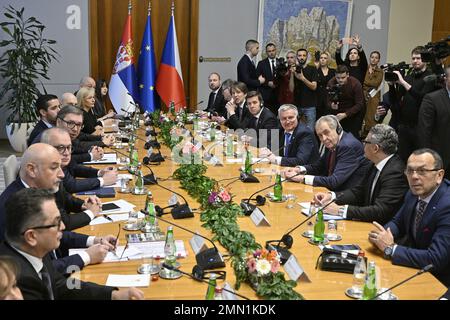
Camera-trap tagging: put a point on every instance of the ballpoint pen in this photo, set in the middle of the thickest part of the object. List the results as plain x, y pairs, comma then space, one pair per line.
107, 217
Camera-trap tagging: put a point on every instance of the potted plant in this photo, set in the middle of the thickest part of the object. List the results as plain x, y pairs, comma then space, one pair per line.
26, 60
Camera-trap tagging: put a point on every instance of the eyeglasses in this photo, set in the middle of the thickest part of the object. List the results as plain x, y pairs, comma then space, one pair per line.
420, 171
72, 125
61, 148
56, 224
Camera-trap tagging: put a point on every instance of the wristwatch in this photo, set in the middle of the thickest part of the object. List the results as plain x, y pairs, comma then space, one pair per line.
388, 251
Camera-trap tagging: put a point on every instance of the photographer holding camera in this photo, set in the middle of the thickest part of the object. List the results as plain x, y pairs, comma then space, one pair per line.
284, 78
305, 85
267, 69
345, 100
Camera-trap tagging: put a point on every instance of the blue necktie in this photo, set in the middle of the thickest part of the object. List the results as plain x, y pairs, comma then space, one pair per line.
287, 142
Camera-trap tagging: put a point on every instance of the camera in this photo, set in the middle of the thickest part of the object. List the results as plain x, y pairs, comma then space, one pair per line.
389, 69
282, 68
300, 65
334, 93
436, 50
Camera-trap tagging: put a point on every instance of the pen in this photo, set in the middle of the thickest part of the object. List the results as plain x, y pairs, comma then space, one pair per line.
108, 217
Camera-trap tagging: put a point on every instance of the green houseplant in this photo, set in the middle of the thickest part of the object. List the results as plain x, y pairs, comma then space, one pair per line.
25, 61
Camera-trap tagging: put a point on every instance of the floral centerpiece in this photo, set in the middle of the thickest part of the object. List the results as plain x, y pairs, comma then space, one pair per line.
219, 196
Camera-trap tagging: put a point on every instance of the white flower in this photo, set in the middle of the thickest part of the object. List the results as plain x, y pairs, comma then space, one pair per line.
263, 267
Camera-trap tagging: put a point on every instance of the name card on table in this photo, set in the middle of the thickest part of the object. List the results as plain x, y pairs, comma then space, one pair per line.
294, 270
259, 219
198, 244
215, 161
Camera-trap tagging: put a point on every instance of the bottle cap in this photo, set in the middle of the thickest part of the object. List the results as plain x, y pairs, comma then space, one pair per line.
218, 289
361, 253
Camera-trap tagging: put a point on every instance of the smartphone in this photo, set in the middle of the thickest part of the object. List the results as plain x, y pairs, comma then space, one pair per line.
110, 206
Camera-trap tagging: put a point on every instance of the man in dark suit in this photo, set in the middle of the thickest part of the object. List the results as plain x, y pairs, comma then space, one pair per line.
41, 170
267, 69
343, 164
434, 119
380, 194
238, 114
297, 142
94, 178
47, 107
246, 68
33, 230
216, 100
419, 234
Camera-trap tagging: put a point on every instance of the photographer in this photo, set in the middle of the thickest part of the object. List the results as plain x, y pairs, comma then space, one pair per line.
284, 79
355, 59
325, 74
407, 98
305, 85
267, 69
345, 100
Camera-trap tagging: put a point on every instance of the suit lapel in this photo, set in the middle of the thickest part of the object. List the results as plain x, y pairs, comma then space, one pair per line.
430, 211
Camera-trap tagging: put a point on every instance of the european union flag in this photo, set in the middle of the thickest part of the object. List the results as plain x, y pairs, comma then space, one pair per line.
147, 70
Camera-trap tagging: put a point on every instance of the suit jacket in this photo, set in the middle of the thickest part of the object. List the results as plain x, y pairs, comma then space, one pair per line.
37, 131
73, 185
218, 105
264, 127
302, 149
432, 242
433, 127
387, 197
350, 165
246, 73
233, 121
268, 93
33, 288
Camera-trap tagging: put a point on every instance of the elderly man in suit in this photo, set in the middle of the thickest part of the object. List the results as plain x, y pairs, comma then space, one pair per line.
47, 107
34, 229
246, 68
434, 119
343, 164
41, 169
380, 194
297, 141
419, 234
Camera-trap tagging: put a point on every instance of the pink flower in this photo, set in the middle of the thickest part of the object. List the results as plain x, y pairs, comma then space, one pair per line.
251, 264
225, 196
257, 253
275, 266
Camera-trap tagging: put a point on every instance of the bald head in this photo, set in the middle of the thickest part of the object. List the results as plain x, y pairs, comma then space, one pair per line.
68, 99
87, 82
60, 139
41, 167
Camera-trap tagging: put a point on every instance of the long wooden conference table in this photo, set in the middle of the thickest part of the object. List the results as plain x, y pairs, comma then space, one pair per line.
323, 286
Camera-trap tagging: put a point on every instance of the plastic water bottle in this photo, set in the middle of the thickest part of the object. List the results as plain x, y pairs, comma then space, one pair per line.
359, 275
218, 293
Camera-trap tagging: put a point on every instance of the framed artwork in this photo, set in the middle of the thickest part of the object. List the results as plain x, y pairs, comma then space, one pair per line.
316, 25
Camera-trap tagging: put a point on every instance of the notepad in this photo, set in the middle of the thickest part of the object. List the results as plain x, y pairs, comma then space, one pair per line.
108, 158
326, 217
126, 280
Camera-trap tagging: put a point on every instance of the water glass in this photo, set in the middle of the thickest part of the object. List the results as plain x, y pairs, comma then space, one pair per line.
124, 185
290, 201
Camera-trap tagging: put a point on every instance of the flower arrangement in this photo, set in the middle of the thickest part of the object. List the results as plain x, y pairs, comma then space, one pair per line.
219, 196
261, 264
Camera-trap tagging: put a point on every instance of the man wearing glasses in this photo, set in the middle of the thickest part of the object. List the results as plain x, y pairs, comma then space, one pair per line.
33, 230
380, 194
419, 234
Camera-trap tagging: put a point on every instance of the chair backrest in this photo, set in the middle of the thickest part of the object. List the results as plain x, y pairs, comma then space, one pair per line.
10, 169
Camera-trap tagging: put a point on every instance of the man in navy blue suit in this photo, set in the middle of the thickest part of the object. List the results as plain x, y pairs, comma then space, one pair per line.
47, 107
419, 234
298, 143
343, 164
246, 68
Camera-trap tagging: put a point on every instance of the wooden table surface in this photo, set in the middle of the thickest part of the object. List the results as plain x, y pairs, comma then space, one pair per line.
323, 286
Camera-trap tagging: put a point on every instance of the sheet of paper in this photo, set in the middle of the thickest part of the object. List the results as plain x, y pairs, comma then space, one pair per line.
107, 158
156, 249
126, 280
129, 253
120, 177
326, 217
124, 205
115, 217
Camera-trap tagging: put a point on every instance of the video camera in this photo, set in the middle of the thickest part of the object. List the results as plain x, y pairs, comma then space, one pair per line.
334, 93
389, 69
281, 68
436, 50
299, 67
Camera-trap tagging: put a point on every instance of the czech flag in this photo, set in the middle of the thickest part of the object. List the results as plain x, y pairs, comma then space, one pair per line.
169, 83
123, 86
147, 69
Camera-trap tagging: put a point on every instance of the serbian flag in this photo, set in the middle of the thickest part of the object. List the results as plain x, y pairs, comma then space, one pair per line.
169, 83
147, 69
123, 86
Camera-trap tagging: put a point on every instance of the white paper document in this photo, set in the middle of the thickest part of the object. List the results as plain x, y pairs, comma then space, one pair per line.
124, 206
131, 253
108, 158
326, 217
155, 249
126, 280
120, 177
114, 217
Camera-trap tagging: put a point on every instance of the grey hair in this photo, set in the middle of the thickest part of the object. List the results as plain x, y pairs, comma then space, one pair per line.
386, 137
286, 107
438, 163
332, 120
227, 84
48, 134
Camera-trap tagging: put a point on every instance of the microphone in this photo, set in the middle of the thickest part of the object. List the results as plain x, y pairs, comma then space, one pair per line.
249, 178
206, 259
195, 276
179, 211
154, 158
287, 239
249, 208
421, 271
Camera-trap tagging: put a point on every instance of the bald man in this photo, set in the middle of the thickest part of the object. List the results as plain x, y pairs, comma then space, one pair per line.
69, 99
41, 169
99, 110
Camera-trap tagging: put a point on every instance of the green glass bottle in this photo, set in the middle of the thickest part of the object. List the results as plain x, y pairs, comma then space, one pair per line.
212, 283
212, 133
278, 188
230, 147
248, 162
170, 249
139, 184
195, 123
150, 208
370, 285
319, 227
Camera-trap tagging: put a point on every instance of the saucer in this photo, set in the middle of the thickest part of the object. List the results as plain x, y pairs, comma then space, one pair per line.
333, 236
131, 227
308, 233
324, 242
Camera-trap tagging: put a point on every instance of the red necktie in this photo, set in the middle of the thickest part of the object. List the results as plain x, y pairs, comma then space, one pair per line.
331, 162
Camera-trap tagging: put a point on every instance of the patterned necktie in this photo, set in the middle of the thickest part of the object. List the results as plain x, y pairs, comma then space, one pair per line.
419, 214
273, 67
212, 98
287, 142
331, 162
47, 282
254, 123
